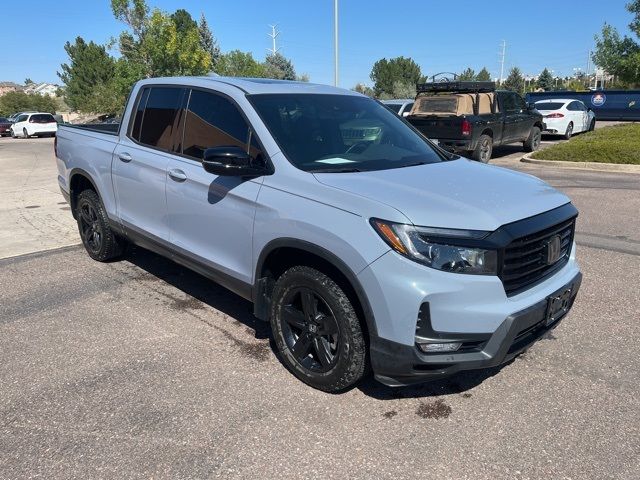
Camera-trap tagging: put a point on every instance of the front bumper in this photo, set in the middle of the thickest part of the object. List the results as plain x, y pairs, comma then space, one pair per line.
396, 364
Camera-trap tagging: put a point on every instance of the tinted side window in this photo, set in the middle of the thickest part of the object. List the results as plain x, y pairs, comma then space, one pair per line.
508, 102
213, 121
408, 107
22, 118
161, 117
139, 113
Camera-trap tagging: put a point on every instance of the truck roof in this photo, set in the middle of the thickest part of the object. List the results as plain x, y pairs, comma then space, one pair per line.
254, 85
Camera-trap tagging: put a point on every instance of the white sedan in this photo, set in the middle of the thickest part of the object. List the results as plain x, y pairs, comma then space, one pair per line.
34, 124
566, 117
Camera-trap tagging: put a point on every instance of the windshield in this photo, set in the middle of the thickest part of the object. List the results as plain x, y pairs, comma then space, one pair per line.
549, 105
393, 106
340, 133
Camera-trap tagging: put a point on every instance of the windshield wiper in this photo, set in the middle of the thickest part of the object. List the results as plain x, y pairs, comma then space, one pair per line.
413, 164
336, 170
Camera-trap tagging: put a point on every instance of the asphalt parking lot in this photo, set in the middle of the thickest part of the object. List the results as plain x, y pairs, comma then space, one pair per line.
143, 369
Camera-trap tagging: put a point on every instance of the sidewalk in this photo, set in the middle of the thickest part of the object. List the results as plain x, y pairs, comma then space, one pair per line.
33, 213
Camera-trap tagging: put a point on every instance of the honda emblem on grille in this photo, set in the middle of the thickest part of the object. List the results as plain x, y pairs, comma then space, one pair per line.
553, 249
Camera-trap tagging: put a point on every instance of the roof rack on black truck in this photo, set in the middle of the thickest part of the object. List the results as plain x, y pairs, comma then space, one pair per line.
471, 117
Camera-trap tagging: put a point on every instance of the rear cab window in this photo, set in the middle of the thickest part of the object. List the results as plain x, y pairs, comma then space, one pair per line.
185, 121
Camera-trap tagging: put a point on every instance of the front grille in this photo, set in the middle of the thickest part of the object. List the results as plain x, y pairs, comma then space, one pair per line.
524, 261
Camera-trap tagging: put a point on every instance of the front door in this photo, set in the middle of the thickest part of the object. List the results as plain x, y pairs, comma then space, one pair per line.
211, 217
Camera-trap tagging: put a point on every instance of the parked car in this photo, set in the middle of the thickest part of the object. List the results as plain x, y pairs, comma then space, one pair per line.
34, 125
5, 124
388, 252
472, 118
400, 106
12, 118
566, 117
606, 104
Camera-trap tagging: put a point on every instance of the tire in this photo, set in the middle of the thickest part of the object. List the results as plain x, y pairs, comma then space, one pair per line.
568, 132
24, 133
13, 134
532, 143
100, 242
483, 150
592, 125
316, 330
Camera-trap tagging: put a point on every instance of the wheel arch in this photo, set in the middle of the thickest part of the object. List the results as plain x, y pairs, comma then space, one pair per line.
282, 253
79, 180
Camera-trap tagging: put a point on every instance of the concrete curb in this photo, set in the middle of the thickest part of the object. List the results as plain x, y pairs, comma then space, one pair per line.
589, 166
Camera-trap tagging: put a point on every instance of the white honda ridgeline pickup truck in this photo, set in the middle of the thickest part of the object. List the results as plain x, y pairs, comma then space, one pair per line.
366, 246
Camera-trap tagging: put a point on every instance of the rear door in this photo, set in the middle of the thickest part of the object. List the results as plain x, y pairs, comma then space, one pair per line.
211, 217
579, 112
517, 121
140, 161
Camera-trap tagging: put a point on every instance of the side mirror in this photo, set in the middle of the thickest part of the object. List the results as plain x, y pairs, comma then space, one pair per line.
531, 105
230, 161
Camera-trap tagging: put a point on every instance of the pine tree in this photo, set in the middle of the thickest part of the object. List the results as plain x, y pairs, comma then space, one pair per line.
277, 66
468, 74
483, 75
545, 80
208, 41
515, 81
89, 67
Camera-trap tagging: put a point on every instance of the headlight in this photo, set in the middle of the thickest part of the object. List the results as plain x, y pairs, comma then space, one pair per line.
436, 248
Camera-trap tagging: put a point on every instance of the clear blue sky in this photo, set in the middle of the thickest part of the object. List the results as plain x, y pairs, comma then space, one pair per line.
440, 36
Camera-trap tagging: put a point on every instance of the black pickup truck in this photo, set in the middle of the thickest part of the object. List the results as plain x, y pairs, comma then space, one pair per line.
472, 117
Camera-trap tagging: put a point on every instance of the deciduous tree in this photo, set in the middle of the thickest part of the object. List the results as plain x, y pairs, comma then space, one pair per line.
385, 73
620, 56
12, 102
239, 64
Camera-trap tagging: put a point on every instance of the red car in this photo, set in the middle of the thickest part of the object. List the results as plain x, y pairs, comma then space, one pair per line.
4, 127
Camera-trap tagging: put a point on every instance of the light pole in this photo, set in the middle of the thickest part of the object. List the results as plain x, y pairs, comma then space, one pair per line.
335, 42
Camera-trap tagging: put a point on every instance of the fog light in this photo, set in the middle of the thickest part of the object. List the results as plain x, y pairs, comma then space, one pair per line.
439, 347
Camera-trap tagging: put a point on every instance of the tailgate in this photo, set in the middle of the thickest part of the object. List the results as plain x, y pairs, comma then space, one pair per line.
436, 127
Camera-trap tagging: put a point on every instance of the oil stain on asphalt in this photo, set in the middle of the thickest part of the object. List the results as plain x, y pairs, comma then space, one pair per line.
435, 409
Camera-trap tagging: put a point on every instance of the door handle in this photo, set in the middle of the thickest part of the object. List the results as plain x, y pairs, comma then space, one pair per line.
177, 175
125, 157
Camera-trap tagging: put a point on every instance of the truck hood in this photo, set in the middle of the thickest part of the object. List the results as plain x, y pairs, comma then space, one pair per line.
453, 194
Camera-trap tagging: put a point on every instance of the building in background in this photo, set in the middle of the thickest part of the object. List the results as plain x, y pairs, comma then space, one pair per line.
6, 87
48, 89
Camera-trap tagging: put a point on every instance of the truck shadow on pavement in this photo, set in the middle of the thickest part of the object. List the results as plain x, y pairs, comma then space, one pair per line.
201, 290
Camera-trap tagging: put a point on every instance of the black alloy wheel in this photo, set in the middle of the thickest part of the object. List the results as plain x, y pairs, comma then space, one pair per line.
310, 330
100, 242
316, 330
90, 228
